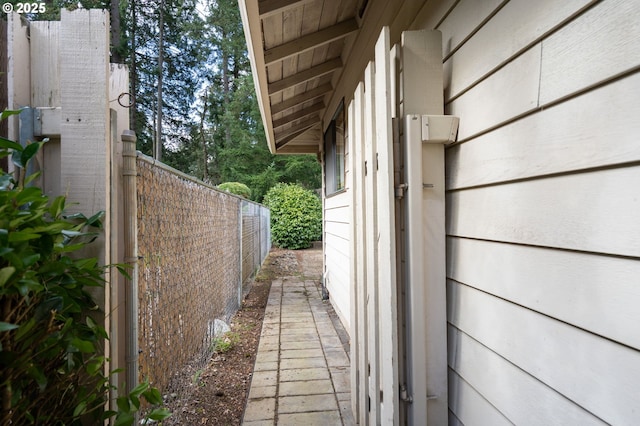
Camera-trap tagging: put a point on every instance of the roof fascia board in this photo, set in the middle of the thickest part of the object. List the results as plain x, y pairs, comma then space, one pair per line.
253, 34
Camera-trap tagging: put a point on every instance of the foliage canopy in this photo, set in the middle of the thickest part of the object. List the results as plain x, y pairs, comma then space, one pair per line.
236, 188
296, 216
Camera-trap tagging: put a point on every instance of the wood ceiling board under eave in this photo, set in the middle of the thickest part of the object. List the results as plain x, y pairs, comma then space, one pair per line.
278, 115
288, 139
313, 109
377, 14
301, 125
311, 17
330, 13
306, 75
306, 142
272, 36
300, 98
289, 67
299, 25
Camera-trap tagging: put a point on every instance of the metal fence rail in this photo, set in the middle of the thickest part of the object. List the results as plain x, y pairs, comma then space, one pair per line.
196, 246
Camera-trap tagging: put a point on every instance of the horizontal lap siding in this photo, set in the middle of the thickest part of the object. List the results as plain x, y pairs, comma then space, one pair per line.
336, 240
543, 252
469, 405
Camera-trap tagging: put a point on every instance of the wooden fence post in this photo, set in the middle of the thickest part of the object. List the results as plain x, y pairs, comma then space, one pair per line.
85, 127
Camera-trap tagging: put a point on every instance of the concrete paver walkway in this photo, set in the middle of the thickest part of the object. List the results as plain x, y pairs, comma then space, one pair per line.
301, 375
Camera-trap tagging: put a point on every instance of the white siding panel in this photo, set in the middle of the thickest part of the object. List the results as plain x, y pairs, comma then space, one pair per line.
518, 395
604, 376
337, 250
469, 406
337, 201
510, 92
337, 277
337, 235
595, 212
337, 281
431, 14
603, 292
463, 20
337, 215
453, 420
511, 30
338, 229
336, 221
574, 135
336, 257
602, 43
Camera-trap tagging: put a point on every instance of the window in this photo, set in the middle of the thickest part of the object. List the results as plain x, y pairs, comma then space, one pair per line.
334, 148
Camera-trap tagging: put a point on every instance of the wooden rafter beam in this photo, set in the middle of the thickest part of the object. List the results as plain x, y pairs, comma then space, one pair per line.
289, 138
298, 115
271, 7
310, 41
303, 125
299, 149
301, 98
306, 75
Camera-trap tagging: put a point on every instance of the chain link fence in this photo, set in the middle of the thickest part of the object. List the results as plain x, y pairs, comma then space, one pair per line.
256, 236
196, 247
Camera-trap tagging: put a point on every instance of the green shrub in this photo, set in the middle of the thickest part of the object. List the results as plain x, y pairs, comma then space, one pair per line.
51, 360
236, 188
296, 216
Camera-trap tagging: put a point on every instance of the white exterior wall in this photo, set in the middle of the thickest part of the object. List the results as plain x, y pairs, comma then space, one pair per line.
336, 240
337, 237
543, 249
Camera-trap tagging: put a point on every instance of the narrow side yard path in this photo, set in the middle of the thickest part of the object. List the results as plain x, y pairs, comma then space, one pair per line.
301, 374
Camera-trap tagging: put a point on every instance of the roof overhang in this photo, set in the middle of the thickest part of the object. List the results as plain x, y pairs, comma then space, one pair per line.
296, 48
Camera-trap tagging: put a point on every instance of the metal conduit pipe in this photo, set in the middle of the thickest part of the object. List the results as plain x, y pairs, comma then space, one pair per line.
130, 207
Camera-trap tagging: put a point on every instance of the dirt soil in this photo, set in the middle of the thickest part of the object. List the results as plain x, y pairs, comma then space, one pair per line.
217, 393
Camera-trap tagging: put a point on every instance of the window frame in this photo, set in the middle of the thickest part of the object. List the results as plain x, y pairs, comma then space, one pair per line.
334, 153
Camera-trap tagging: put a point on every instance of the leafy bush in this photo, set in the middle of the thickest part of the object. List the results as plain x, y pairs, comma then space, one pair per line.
51, 361
236, 188
296, 216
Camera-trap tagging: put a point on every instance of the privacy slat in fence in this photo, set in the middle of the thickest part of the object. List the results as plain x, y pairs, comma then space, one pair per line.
190, 270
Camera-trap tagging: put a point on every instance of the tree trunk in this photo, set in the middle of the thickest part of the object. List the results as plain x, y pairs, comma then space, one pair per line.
205, 154
225, 91
158, 141
133, 76
116, 40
